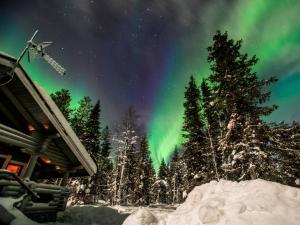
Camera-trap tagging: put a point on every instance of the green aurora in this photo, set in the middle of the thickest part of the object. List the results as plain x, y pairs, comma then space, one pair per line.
269, 29
13, 42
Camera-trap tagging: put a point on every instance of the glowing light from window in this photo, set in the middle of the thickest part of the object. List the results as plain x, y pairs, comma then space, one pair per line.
57, 167
13, 168
31, 128
45, 160
46, 126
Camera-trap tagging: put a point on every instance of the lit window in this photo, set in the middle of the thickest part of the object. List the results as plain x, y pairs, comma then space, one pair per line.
31, 128
57, 167
45, 159
13, 168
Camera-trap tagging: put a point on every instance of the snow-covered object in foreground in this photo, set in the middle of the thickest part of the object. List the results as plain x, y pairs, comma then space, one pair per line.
91, 215
20, 218
141, 216
255, 202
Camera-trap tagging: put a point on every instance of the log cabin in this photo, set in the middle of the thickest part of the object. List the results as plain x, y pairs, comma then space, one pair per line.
36, 142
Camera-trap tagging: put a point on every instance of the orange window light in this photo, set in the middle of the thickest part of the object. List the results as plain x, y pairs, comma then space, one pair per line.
57, 167
31, 128
45, 160
46, 126
13, 168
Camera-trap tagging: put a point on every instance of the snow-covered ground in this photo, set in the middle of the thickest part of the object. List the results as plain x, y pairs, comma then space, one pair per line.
255, 202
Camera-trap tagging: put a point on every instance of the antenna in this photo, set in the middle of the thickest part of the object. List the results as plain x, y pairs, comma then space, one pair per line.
32, 49
39, 49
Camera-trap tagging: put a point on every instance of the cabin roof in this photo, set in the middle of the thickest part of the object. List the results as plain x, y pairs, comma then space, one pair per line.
39, 109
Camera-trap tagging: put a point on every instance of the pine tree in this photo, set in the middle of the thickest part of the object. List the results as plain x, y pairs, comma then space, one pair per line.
145, 176
81, 116
91, 138
63, 100
284, 147
79, 123
126, 139
105, 168
239, 98
163, 170
194, 136
106, 144
176, 178
161, 184
213, 128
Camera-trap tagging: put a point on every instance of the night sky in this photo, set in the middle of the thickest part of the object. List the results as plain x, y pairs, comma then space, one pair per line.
141, 53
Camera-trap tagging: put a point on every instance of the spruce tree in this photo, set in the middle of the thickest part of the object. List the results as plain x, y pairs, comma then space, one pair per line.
213, 128
284, 147
126, 139
176, 178
162, 183
86, 186
194, 154
239, 98
63, 100
105, 167
91, 137
81, 116
145, 175
163, 170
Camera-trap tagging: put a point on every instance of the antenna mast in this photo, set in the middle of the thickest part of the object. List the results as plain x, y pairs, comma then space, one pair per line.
33, 49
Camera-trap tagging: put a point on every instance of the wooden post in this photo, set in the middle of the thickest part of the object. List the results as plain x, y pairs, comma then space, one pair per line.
65, 179
31, 164
34, 157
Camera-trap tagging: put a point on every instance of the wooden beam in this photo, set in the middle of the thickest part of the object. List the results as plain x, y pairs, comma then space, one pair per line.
20, 107
14, 137
9, 115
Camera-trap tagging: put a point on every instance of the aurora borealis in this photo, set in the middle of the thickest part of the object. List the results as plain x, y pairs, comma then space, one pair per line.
141, 53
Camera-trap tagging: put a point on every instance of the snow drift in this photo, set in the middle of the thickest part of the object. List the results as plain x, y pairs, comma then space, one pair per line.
255, 202
20, 219
92, 215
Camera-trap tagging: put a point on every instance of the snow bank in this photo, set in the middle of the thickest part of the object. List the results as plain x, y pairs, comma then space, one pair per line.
92, 215
20, 219
255, 202
79, 215
141, 216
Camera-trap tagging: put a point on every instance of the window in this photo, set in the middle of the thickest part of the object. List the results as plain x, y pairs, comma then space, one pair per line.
14, 168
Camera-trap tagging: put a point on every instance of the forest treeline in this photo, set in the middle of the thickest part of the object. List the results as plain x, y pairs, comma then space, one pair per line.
225, 133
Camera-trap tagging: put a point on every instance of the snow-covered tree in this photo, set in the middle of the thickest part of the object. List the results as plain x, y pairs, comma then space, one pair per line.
161, 185
80, 117
213, 129
193, 134
239, 97
284, 148
126, 139
145, 175
84, 124
176, 178
91, 138
104, 174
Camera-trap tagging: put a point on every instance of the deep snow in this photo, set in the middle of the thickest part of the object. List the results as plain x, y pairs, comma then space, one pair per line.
255, 202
